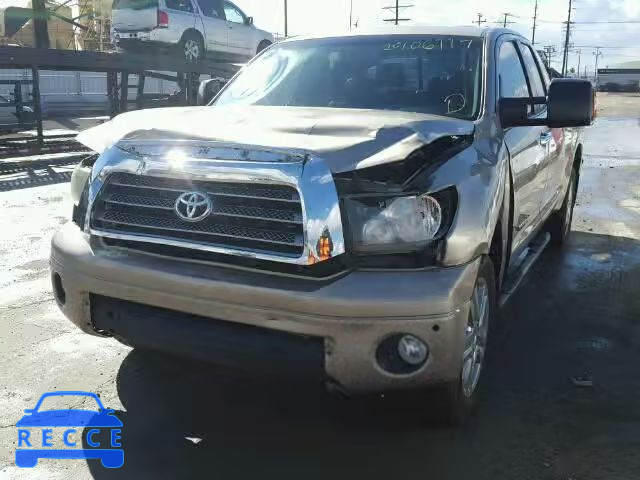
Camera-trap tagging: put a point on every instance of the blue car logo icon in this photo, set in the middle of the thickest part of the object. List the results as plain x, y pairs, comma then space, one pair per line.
28, 452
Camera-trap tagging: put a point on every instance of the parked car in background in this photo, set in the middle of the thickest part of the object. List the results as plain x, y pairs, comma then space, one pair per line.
190, 27
9, 117
351, 209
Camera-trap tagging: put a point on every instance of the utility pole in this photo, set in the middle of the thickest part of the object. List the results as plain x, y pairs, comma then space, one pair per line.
506, 21
535, 20
286, 20
397, 8
597, 54
579, 58
549, 51
565, 58
480, 20
350, 15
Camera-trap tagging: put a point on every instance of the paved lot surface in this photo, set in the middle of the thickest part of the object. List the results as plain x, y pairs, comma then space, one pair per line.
576, 315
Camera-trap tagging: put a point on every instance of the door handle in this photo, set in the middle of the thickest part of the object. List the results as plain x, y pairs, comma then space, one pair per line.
545, 138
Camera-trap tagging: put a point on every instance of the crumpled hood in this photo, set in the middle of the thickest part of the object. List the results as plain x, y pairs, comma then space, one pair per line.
347, 139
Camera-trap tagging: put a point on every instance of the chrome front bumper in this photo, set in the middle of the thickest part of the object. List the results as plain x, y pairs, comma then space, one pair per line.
353, 313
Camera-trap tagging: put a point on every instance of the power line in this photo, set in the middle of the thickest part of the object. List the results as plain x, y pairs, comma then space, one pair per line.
606, 22
614, 22
397, 8
600, 46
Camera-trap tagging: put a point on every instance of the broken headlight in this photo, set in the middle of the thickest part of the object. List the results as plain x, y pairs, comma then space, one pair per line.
398, 224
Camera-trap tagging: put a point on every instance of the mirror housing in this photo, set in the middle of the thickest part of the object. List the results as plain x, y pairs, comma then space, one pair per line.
570, 103
249, 20
207, 90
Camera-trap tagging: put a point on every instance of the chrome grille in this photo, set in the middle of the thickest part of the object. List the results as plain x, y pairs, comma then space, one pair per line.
251, 216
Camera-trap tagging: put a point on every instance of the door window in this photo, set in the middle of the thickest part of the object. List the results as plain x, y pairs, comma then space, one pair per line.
182, 5
513, 82
212, 8
533, 72
233, 14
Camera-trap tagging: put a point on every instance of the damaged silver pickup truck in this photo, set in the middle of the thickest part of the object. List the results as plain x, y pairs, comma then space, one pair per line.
347, 208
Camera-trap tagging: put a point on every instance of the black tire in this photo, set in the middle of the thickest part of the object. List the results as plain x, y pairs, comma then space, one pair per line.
191, 47
263, 44
560, 221
458, 400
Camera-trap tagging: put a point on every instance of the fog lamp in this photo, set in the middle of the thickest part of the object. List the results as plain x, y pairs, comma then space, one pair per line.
412, 350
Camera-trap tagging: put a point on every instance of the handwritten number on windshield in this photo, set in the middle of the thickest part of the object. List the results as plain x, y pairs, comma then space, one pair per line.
428, 44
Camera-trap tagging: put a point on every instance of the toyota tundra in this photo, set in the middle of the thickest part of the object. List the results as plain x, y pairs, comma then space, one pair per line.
348, 208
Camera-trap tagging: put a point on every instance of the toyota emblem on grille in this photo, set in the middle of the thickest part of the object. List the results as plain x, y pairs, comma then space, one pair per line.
193, 206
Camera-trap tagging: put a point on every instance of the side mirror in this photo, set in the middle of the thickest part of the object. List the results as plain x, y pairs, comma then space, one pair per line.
207, 90
514, 112
249, 20
570, 103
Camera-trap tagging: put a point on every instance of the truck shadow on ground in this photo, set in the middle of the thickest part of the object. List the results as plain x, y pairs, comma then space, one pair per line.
577, 315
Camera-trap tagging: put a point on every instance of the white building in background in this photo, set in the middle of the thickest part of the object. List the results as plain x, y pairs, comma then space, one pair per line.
621, 78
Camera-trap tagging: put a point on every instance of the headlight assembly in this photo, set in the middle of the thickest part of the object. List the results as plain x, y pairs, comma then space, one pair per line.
399, 224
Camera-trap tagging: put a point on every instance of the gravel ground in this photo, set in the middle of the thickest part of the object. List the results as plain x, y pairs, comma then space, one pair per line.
576, 315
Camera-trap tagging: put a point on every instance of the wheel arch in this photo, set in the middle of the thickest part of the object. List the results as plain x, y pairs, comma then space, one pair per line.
263, 44
577, 159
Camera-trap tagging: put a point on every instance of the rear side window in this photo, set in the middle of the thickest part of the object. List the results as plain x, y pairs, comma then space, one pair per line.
212, 8
533, 72
182, 5
513, 82
233, 14
134, 4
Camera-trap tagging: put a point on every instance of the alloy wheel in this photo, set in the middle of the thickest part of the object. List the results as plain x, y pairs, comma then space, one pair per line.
191, 50
476, 334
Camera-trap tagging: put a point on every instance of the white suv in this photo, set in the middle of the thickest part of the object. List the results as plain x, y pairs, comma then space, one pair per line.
192, 26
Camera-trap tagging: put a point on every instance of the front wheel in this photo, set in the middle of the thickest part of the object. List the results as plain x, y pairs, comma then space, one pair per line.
461, 396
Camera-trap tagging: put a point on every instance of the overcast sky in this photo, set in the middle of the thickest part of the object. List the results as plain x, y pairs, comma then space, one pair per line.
311, 15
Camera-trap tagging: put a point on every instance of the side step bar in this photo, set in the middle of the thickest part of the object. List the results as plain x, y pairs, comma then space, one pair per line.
533, 252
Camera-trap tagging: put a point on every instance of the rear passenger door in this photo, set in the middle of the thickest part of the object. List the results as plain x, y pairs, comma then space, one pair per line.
182, 17
240, 32
552, 138
214, 25
528, 147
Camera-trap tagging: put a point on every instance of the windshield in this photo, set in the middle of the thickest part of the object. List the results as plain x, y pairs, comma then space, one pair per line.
427, 74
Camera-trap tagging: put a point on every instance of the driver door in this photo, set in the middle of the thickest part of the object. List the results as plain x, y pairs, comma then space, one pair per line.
528, 149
